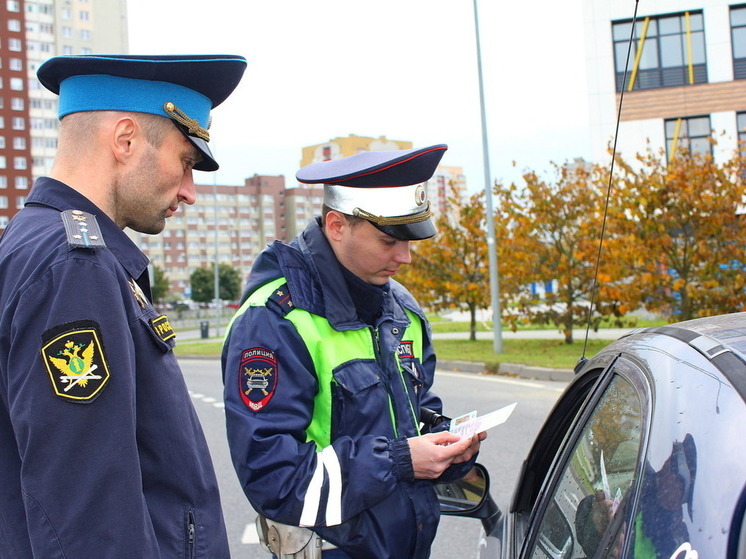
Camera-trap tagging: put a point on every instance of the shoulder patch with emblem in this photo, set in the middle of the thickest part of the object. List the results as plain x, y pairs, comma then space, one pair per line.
73, 355
82, 230
257, 377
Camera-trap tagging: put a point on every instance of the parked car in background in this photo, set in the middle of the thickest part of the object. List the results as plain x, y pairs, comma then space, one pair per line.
643, 455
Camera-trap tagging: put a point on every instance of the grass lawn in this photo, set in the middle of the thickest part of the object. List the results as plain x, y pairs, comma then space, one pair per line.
539, 353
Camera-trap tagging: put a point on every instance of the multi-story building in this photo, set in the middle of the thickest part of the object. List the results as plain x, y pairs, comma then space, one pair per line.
686, 79
15, 138
30, 32
228, 224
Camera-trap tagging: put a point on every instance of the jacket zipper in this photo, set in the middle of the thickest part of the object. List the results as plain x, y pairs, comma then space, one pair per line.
377, 351
191, 534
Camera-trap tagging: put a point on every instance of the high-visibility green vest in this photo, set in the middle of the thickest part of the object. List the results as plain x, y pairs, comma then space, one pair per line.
328, 349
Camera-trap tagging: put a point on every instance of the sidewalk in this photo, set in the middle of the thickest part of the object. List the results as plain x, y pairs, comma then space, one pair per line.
508, 369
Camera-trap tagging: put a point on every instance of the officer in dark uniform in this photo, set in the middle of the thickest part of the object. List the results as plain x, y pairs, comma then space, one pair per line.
328, 365
101, 450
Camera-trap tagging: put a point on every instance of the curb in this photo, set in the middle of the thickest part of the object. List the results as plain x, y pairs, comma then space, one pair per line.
510, 369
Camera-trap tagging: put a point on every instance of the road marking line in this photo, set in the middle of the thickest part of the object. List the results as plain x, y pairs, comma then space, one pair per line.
498, 379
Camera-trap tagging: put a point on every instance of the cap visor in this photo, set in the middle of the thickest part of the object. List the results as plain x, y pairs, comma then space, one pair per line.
208, 162
410, 231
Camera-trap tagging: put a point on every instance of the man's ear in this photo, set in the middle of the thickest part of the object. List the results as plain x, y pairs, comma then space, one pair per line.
124, 134
334, 224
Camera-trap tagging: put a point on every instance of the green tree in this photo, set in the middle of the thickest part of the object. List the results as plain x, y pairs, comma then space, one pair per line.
451, 270
161, 285
202, 281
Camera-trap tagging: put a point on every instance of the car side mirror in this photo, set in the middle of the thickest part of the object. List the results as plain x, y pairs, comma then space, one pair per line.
464, 496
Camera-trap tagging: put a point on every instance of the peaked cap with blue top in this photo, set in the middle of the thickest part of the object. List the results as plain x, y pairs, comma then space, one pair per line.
183, 88
384, 187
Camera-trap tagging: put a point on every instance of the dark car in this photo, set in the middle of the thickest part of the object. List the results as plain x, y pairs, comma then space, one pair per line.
643, 455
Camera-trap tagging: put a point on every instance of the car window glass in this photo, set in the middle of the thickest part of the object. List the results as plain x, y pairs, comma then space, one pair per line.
595, 479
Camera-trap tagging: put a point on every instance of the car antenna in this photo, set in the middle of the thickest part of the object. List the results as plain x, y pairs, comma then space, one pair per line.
583, 358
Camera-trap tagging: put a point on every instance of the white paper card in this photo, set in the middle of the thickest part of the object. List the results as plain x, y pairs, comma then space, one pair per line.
469, 424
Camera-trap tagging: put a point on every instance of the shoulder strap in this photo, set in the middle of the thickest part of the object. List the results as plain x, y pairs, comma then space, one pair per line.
82, 230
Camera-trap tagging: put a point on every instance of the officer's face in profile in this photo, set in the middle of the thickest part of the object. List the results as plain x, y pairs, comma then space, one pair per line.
158, 180
367, 252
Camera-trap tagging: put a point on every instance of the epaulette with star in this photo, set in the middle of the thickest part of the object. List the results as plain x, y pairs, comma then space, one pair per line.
82, 230
281, 297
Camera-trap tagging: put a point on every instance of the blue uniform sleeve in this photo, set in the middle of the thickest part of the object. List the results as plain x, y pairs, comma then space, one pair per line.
71, 398
433, 402
269, 396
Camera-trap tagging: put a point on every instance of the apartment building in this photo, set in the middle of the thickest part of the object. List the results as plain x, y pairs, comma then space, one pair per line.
686, 79
15, 137
32, 31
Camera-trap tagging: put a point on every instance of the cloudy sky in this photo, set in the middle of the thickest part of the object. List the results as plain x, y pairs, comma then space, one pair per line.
404, 69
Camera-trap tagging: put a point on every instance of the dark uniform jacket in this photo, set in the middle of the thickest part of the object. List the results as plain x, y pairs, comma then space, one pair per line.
365, 498
101, 451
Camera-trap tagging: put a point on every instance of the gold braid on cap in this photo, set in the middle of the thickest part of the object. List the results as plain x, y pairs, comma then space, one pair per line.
193, 127
395, 220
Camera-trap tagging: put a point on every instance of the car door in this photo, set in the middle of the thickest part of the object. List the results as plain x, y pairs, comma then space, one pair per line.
583, 469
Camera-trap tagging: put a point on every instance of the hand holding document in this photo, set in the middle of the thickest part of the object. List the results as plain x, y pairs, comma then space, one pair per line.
469, 424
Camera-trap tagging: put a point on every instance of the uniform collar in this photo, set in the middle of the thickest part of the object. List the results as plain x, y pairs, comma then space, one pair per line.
55, 194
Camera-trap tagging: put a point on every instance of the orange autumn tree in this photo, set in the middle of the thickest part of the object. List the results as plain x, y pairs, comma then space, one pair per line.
451, 271
548, 231
679, 232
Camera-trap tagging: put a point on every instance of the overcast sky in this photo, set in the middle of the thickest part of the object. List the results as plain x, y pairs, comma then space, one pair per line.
404, 69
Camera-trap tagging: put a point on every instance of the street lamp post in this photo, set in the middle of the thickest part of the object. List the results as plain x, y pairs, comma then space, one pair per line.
497, 342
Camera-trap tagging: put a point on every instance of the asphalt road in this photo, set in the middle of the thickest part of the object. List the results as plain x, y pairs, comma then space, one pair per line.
502, 452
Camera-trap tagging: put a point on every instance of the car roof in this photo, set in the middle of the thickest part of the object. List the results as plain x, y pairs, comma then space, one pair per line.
721, 339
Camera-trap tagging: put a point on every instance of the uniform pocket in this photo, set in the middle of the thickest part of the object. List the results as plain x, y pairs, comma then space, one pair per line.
360, 401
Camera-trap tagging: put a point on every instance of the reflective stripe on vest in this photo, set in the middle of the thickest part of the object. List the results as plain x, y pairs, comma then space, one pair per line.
328, 349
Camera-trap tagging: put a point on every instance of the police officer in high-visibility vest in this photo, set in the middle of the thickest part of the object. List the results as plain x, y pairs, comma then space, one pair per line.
327, 365
101, 451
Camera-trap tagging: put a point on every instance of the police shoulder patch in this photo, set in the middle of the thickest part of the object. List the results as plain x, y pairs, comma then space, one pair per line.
257, 377
74, 358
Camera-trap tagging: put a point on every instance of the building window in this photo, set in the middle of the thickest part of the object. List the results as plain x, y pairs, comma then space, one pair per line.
4, 202
16, 64
3, 181
14, 25
16, 84
13, 5
19, 142
738, 38
667, 51
2, 142
14, 45
692, 134
17, 104
19, 123
20, 202
741, 123
19, 163
21, 183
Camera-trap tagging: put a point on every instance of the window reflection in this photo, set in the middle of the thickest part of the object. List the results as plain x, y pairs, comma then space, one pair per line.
596, 479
